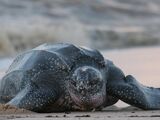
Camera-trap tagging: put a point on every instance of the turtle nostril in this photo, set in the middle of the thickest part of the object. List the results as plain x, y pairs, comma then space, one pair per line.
82, 90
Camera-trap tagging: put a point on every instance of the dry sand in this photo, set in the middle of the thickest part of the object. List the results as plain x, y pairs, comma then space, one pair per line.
142, 63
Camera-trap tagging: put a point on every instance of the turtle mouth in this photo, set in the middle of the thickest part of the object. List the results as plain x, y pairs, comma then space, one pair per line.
88, 102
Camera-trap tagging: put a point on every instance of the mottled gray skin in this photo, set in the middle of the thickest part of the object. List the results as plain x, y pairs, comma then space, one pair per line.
64, 77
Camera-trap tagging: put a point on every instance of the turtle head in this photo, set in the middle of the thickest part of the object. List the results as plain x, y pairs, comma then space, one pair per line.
87, 87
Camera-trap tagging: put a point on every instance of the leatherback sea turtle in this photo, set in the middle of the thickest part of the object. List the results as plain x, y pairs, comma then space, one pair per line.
64, 77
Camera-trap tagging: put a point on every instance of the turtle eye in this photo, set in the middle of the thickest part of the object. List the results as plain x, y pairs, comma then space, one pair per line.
73, 83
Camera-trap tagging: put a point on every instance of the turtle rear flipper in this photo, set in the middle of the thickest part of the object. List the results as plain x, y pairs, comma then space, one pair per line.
35, 99
129, 90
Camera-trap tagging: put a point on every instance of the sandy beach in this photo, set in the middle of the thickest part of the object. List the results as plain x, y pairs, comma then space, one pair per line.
142, 63
105, 115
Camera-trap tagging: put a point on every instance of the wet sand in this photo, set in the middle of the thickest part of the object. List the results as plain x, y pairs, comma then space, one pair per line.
142, 63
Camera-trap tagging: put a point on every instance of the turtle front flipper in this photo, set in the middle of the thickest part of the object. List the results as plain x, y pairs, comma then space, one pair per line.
34, 98
129, 90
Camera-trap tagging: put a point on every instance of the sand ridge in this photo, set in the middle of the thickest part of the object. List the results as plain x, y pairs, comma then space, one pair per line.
8, 109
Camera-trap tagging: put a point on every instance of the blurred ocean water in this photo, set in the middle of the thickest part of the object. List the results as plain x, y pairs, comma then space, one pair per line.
5, 63
100, 24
